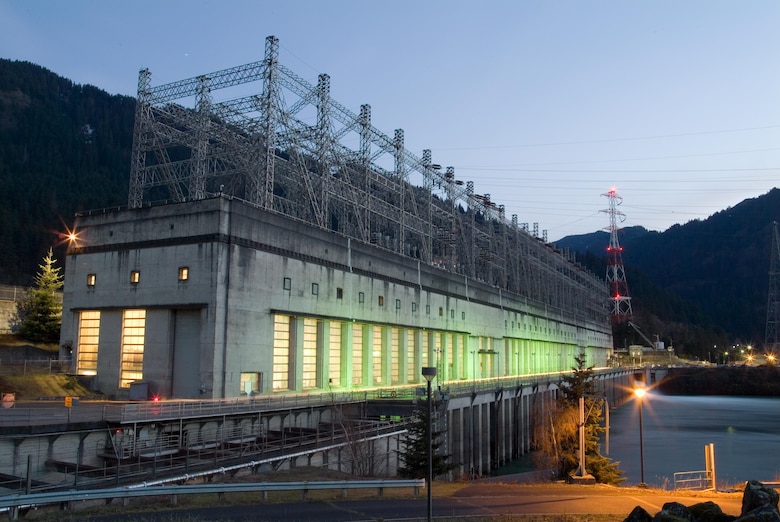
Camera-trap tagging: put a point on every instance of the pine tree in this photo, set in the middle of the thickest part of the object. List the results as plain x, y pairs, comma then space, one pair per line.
414, 458
39, 316
561, 445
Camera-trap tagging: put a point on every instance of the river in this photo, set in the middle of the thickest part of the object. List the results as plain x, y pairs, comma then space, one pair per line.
744, 430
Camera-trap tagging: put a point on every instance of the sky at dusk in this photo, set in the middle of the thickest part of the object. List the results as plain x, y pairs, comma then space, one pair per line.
545, 105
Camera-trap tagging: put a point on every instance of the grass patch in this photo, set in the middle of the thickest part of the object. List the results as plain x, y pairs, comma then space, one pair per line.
14, 340
33, 387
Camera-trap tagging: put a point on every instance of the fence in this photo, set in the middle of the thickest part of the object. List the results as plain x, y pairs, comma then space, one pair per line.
12, 293
10, 366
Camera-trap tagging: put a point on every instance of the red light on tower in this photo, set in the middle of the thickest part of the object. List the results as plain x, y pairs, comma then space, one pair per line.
620, 304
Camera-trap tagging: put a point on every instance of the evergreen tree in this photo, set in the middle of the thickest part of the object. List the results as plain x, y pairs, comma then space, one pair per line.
414, 459
559, 441
39, 316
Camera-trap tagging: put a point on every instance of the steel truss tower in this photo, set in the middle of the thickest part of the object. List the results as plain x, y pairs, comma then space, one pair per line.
619, 300
293, 150
771, 339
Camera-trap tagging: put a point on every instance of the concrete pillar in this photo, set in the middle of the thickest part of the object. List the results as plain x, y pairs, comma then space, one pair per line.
456, 439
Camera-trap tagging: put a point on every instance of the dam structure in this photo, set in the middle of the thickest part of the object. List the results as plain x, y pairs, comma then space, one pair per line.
276, 244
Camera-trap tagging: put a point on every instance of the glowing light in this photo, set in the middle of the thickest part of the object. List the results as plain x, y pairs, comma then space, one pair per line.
69, 236
639, 392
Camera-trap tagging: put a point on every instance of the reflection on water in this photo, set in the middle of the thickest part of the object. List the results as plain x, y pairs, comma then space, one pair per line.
745, 431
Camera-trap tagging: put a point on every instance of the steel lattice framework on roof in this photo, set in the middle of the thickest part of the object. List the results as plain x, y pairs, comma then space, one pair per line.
293, 150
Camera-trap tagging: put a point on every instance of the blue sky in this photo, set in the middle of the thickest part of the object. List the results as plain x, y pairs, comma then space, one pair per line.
545, 105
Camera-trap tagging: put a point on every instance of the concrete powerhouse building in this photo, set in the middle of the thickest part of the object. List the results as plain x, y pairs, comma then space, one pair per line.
259, 254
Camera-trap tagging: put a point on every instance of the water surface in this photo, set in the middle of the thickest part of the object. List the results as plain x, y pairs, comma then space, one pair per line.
676, 429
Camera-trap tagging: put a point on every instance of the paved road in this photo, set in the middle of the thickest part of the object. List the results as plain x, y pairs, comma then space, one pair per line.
474, 500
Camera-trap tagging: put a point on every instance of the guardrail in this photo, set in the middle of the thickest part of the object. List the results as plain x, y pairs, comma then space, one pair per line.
14, 503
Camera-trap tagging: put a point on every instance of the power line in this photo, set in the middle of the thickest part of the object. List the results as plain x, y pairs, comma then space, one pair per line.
621, 171
608, 140
621, 160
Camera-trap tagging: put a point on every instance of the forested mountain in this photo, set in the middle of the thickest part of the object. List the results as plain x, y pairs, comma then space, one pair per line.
63, 148
717, 269
66, 147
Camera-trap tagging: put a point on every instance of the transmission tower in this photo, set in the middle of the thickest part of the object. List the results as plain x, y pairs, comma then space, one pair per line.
619, 300
773, 298
291, 149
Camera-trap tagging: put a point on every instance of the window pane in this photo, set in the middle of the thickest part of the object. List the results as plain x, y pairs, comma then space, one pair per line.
357, 354
132, 363
281, 370
309, 353
334, 354
88, 340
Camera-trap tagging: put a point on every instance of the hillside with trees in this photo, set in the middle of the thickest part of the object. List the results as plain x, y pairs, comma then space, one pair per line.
702, 284
63, 148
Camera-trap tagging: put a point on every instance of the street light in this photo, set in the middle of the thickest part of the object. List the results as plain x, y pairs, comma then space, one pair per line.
639, 392
429, 373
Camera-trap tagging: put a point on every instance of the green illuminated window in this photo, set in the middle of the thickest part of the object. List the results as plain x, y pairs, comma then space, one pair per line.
411, 366
334, 354
280, 379
395, 355
376, 354
357, 354
309, 364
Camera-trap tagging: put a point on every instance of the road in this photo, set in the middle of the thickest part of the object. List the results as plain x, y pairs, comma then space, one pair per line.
472, 500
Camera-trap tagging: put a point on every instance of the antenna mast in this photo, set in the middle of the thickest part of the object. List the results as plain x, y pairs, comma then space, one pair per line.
620, 302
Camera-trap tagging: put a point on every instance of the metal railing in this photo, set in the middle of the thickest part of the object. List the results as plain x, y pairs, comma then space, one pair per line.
13, 503
13, 293
693, 480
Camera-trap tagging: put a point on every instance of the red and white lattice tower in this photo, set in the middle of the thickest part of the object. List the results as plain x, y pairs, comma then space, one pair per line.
619, 300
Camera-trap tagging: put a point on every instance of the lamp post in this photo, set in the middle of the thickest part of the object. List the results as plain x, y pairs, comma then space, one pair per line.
429, 373
639, 392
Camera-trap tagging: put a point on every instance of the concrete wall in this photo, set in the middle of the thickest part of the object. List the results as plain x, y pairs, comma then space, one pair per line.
246, 265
